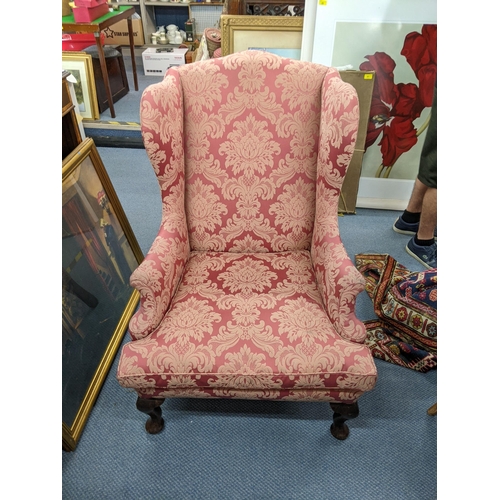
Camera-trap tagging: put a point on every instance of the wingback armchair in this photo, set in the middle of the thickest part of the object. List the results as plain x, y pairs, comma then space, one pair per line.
247, 291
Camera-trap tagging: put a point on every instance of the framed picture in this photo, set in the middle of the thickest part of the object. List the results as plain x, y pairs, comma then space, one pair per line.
361, 35
99, 253
79, 64
279, 34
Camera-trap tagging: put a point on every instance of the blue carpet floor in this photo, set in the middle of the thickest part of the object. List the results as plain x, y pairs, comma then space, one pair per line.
220, 449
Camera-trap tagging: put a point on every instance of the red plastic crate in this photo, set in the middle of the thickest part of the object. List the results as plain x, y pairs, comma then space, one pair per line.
88, 3
89, 14
79, 41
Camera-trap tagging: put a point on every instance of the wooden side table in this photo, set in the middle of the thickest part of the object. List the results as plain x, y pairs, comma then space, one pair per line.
124, 12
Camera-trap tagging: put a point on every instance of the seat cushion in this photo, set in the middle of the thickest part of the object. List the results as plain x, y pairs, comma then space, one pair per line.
247, 325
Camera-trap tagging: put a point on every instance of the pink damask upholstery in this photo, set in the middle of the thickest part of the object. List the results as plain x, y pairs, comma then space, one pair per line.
247, 291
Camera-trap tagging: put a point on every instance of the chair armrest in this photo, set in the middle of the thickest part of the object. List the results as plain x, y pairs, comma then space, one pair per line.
156, 279
339, 284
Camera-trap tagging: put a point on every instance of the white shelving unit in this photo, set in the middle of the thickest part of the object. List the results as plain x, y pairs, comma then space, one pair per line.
158, 12
206, 15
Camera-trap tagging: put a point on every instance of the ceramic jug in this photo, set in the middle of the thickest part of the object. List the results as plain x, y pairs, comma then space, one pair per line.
163, 38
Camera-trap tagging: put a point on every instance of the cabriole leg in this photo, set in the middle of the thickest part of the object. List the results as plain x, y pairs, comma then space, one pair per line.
341, 413
152, 408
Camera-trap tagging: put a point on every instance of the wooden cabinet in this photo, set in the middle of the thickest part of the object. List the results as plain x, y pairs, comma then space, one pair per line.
71, 136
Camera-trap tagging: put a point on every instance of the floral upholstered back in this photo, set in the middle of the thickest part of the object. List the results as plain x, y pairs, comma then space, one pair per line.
250, 151
250, 156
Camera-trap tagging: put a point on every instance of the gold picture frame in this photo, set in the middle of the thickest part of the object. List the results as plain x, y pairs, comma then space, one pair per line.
99, 253
79, 64
273, 33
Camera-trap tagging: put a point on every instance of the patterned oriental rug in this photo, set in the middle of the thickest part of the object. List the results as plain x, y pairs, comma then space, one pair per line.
405, 331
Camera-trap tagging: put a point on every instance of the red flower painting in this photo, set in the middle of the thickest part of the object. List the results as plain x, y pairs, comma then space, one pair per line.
395, 106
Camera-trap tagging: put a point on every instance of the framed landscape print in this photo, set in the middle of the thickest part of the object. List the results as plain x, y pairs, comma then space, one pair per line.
279, 34
79, 64
99, 253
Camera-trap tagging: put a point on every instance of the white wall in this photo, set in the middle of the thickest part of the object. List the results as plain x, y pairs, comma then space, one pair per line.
328, 12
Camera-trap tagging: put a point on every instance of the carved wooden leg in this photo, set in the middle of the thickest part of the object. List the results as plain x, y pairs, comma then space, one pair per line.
152, 408
341, 413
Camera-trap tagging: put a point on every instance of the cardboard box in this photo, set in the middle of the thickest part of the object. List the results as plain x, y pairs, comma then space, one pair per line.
190, 56
117, 34
349, 193
157, 63
363, 82
66, 9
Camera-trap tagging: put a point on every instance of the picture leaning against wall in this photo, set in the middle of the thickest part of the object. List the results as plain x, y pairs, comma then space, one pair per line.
404, 57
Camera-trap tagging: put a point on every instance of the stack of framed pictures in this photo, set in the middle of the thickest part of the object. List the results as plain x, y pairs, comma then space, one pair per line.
99, 253
79, 64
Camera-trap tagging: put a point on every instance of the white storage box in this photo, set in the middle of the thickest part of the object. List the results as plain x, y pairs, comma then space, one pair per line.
157, 63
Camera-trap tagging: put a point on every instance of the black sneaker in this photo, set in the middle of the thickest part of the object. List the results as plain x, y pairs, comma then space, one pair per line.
411, 228
426, 255
400, 226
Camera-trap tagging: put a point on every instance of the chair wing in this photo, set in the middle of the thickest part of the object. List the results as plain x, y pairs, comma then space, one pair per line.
163, 135
338, 279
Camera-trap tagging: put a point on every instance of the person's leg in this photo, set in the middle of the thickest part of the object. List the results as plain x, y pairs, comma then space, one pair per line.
420, 216
428, 216
409, 221
423, 246
417, 197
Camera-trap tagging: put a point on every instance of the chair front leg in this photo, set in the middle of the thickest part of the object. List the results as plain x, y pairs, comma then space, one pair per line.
151, 407
341, 413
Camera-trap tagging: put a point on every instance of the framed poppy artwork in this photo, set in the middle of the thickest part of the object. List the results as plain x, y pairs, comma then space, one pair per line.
397, 40
404, 58
99, 253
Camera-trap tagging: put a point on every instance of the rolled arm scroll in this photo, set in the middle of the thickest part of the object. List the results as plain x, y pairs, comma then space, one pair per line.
156, 279
339, 283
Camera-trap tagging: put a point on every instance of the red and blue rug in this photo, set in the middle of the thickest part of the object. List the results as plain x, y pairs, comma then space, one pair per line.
405, 302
